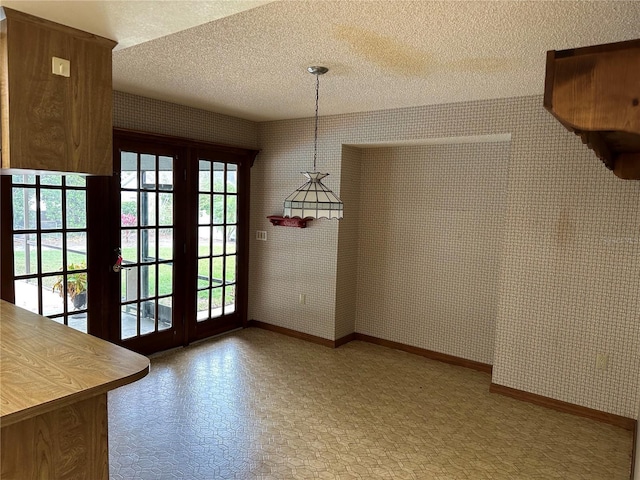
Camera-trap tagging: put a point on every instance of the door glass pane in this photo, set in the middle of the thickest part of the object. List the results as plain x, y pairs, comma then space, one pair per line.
147, 281
23, 179
128, 170
147, 208
203, 240
203, 272
231, 209
148, 245
128, 321
231, 240
148, 317
204, 176
229, 299
148, 171
129, 283
216, 273
77, 288
165, 202
128, 209
53, 295
230, 270
204, 206
165, 285
216, 302
165, 173
129, 246
166, 244
218, 177
218, 209
79, 321
165, 313
218, 239
202, 307
232, 178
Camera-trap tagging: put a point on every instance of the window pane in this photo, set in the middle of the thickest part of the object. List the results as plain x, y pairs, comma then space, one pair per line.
218, 177
78, 321
77, 288
53, 295
50, 179
50, 209
75, 181
165, 286
23, 179
204, 176
76, 209
77, 250
51, 252
24, 208
165, 216
25, 254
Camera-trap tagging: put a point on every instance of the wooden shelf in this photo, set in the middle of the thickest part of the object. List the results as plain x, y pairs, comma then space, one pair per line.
296, 222
595, 93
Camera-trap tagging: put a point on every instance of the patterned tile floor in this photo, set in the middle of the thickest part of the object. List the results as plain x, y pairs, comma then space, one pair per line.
258, 405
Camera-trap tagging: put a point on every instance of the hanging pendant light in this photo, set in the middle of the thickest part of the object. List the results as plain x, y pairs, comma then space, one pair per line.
313, 199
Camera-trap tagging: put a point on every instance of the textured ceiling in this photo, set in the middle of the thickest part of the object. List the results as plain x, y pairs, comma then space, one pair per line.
381, 54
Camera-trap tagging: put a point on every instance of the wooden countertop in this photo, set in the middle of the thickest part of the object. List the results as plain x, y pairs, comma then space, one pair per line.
45, 365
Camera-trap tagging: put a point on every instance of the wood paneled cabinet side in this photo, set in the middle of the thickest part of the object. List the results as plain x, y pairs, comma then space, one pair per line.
51, 122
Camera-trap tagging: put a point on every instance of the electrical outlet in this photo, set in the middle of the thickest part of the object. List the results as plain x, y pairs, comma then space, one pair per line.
60, 66
303, 299
602, 361
261, 235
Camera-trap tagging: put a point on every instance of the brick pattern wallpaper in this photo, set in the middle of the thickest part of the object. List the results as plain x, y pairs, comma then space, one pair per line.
156, 116
569, 267
431, 229
347, 278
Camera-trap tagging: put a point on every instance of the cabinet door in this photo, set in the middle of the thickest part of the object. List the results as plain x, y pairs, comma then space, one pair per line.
53, 122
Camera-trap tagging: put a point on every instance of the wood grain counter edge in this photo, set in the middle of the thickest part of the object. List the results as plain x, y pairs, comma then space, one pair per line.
127, 366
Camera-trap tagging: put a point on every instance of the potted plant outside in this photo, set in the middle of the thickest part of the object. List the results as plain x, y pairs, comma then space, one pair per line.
76, 285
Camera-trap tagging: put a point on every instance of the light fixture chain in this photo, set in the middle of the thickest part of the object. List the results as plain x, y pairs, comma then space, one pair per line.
315, 138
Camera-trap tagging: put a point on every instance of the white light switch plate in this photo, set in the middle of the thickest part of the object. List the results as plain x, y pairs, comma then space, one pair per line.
60, 66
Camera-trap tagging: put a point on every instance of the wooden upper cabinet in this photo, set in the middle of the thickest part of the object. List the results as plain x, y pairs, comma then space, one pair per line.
52, 122
595, 92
